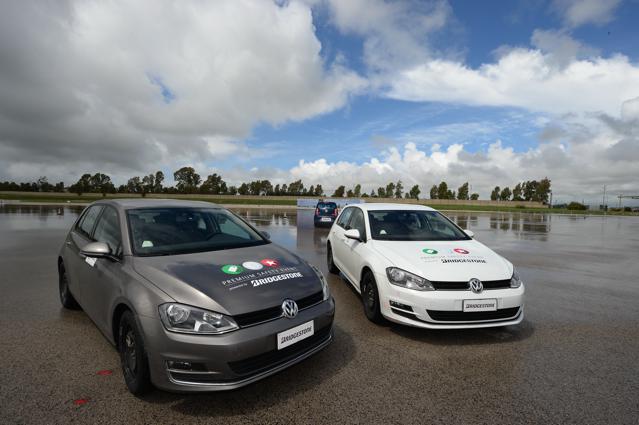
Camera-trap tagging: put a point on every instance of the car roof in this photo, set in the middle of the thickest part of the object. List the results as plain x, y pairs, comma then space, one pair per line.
374, 206
132, 203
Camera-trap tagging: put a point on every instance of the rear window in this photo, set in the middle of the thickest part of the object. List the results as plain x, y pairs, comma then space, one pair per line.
327, 205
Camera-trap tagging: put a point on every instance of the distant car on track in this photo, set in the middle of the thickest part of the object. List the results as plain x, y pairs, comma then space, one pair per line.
193, 297
412, 265
325, 213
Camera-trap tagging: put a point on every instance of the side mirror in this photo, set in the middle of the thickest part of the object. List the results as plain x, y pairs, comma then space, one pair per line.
96, 250
266, 234
469, 233
353, 234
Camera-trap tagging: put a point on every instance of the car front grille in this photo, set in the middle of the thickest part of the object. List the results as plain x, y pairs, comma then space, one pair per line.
461, 316
460, 286
271, 359
271, 313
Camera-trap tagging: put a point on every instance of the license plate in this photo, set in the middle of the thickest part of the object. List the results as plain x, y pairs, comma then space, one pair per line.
480, 305
296, 334
325, 219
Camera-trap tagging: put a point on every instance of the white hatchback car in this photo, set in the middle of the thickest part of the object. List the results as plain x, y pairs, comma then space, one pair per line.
413, 265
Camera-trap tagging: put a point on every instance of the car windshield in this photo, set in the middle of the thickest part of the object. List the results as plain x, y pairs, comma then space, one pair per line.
167, 231
399, 225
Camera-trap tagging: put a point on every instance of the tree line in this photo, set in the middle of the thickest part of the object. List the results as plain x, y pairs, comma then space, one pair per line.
187, 181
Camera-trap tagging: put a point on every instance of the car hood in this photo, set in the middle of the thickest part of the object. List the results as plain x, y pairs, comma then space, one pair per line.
452, 261
232, 281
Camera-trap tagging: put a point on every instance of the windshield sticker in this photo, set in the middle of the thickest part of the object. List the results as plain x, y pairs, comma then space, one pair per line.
461, 251
429, 251
252, 265
268, 262
232, 269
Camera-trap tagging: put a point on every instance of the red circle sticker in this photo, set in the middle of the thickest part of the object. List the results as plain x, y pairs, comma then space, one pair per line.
268, 262
461, 251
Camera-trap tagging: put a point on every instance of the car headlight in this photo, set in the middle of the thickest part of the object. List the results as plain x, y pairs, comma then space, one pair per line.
408, 280
515, 281
187, 319
325, 291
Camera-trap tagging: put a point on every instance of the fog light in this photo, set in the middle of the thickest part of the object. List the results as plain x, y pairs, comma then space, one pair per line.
179, 365
401, 306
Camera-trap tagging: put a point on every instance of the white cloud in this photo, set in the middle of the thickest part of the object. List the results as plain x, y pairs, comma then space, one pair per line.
126, 85
581, 12
525, 78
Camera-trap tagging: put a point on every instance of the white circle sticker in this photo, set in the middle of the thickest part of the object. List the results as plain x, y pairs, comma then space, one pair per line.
252, 265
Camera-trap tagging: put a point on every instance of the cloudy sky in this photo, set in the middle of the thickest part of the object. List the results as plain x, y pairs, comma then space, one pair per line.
332, 92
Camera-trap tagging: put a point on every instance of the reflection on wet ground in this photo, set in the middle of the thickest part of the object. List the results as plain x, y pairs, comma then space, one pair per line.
572, 360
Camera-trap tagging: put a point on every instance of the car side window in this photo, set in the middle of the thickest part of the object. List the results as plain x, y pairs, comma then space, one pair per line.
344, 217
85, 226
108, 230
357, 222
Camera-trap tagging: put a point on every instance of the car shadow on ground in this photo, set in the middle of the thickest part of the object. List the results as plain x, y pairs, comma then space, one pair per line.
273, 390
497, 335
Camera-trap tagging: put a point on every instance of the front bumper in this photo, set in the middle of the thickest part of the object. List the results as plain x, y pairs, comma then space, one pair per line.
442, 309
234, 359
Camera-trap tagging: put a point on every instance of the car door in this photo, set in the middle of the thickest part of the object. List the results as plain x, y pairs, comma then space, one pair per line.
80, 235
355, 250
337, 236
106, 273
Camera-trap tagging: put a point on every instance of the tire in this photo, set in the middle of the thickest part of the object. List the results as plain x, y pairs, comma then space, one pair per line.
332, 268
66, 297
133, 359
370, 299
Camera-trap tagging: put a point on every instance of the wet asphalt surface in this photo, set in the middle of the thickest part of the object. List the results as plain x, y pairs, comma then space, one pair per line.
572, 360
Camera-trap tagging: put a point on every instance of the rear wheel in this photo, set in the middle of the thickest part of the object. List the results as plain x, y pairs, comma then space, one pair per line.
135, 365
329, 260
370, 299
66, 298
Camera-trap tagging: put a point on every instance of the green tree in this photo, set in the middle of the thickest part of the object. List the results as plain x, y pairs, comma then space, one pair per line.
390, 190
517, 191
543, 190
399, 189
381, 192
357, 192
148, 184
243, 189
339, 192
214, 185
494, 196
433, 192
311, 191
373, 195
134, 185
505, 194
187, 180
414, 192
318, 190
159, 178
232, 190
296, 188
83, 185
442, 191
462, 191
474, 196
350, 193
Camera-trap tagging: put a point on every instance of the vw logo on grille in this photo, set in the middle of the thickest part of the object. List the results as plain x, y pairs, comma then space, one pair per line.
289, 308
475, 285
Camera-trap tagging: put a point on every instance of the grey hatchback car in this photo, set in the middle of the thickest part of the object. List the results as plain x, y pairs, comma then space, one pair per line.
193, 297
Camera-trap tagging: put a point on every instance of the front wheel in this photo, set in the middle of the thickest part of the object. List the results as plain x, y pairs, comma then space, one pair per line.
329, 260
66, 298
133, 360
370, 299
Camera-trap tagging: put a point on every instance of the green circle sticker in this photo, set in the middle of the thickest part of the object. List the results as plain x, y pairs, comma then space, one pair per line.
429, 251
232, 269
